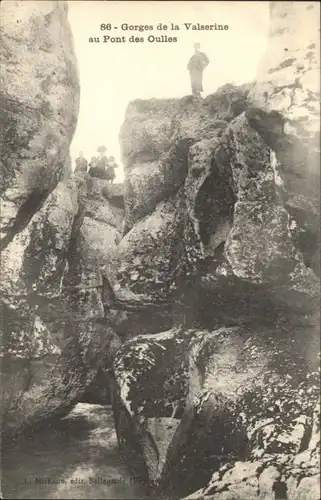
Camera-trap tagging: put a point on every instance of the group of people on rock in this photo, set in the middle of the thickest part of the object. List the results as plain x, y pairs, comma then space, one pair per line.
101, 166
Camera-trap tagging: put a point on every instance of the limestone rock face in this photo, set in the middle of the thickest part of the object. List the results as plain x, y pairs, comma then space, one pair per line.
57, 232
56, 338
261, 244
39, 201
144, 425
96, 233
228, 221
156, 137
269, 475
161, 184
285, 105
102, 223
229, 401
36, 257
85, 304
32, 268
220, 247
288, 75
39, 107
149, 254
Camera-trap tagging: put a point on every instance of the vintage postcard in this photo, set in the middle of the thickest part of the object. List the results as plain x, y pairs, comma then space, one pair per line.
160, 214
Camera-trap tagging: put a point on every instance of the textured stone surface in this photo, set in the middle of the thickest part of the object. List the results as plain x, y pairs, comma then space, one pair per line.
260, 246
234, 416
288, 75
285, 109
165, 198
39, 106
294, 475
57, 339
149, 254
36, 257
210, 198
156, 137
209, 254
32, 267
231, 401
54, 331
145, 425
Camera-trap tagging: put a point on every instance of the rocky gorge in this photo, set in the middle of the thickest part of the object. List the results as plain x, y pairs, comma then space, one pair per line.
188, 297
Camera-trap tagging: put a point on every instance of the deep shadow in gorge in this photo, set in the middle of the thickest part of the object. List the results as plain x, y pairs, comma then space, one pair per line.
75, 457
169, 323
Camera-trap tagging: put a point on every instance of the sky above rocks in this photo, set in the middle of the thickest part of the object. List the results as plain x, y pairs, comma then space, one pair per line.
113, 74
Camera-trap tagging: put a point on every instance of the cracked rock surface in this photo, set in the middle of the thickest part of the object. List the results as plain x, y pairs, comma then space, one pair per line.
220, 397
39, 107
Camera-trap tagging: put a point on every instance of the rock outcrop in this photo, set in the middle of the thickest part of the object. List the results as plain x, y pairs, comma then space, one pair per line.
218, 398
155, 139
191, 291
56, 338
231, 400
32, 269
39, 107
285, 110
58, 230
152, 256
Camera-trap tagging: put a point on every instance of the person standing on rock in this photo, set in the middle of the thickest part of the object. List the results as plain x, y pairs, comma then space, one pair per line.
81, 164
98, 169
196, 66
110, 172
92, 166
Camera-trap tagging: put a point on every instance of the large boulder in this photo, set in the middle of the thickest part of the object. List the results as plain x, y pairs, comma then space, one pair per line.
156, 136
39, 107
143, 271
149, 254
220, 400
261, 245
294, 474
86, 302
285, 109
230, 219
32, 267
59, 230
147, 414
241, 239
233, 399
163, 197
56, 337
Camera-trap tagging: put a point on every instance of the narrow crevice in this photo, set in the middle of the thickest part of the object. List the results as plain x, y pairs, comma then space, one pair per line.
214, 205
280, 490
306, 438
32, 205
306, 236
73, 277
268, 125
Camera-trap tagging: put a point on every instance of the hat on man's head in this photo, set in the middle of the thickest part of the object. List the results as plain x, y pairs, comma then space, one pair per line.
101, 149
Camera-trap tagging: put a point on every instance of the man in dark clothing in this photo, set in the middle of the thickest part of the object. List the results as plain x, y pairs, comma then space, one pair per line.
92, 163
110, 172
81, 164
98, 165
101, 165
196, 66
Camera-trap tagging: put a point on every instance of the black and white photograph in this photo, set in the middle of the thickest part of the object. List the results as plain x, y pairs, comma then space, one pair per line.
160, 250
